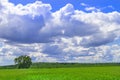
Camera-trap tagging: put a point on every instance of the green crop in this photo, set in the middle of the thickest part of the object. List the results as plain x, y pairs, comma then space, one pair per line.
81, 73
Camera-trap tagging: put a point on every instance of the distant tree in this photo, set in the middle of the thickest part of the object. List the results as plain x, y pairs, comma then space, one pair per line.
23, 61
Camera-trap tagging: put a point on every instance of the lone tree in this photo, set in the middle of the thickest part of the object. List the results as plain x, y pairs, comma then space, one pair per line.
23, 61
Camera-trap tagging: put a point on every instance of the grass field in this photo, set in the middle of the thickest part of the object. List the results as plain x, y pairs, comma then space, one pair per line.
78, 73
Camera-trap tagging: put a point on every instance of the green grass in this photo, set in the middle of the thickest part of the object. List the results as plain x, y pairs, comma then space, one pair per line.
78, 73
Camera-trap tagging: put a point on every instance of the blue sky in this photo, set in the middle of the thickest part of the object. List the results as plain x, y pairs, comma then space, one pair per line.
57, 4
85, 31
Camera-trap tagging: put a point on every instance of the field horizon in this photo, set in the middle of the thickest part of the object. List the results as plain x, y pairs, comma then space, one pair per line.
62, 65
62, 71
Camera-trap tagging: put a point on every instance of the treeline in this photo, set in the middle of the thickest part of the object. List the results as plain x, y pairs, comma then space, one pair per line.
62, 65
67, 65
8, 67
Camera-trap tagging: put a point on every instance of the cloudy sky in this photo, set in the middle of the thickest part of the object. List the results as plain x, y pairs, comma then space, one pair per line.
85, 31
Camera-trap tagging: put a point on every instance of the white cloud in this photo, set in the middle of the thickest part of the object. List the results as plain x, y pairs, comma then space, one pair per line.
83, 4
92, 9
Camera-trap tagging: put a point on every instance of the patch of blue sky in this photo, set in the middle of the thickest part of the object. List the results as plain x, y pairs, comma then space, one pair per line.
103, 5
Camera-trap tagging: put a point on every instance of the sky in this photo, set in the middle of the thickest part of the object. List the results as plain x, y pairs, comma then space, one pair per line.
82, 31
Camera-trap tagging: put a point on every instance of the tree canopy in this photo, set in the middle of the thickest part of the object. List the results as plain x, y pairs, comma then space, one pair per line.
23, 61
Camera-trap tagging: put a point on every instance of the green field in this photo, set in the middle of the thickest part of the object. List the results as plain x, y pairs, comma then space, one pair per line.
75, 73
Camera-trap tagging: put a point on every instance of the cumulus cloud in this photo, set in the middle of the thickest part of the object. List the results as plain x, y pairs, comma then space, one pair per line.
66, 35
23, 23
35, 23
98, 39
